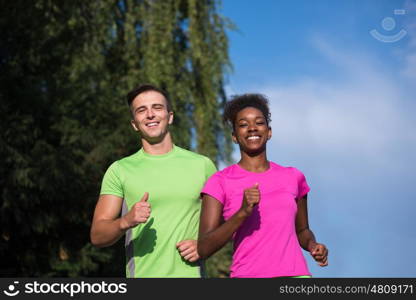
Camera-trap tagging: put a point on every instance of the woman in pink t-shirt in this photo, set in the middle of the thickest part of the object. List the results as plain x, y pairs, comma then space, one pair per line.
257, 203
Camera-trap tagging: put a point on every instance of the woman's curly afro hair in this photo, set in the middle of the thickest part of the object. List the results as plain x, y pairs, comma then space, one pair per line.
239, 102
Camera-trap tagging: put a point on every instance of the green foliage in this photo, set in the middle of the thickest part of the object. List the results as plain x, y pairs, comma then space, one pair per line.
66, 67
218, 265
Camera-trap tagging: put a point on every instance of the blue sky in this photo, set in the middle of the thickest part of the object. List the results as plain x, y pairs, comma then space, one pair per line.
343, 111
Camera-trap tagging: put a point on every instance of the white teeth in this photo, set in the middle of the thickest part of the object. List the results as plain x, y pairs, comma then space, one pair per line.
253, 137
151, 124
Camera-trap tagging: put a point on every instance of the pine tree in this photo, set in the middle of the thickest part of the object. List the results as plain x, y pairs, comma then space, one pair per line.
66, 67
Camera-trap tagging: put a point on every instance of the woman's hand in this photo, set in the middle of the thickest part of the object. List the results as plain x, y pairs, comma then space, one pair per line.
250, 199
319, 253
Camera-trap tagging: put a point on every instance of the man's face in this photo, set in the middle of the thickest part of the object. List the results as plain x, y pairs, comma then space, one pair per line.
150, 116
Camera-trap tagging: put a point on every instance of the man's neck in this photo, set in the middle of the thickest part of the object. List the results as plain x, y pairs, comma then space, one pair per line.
163, 147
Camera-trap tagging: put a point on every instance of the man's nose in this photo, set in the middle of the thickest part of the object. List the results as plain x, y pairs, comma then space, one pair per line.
150, 114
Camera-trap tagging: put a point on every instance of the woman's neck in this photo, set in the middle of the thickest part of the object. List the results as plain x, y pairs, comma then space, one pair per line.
257, 163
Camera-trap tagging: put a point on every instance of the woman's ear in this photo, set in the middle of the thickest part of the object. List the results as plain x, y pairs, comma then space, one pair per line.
269, 135
234, 138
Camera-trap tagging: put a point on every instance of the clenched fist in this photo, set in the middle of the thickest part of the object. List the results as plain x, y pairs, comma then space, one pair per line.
188, 250
251, 198
319, 253
139, 213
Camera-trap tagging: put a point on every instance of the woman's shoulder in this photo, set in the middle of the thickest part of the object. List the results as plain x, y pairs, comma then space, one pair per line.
226, 171
286, 169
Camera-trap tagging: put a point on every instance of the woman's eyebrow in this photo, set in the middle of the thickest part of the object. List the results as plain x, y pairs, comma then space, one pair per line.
258, 117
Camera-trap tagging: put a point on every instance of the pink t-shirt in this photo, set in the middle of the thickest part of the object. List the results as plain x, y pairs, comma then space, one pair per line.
266, 244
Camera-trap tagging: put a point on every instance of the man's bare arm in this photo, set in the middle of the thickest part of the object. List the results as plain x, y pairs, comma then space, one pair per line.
107, 227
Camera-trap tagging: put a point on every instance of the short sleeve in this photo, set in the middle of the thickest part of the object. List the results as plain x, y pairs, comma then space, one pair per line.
213, 187
111, 184
209, 168
303, 187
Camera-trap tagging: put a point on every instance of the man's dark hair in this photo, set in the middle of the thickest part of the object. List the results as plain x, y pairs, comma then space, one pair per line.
239, 102
145, 88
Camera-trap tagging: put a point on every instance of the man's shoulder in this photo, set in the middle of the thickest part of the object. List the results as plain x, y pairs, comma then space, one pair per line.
127, 160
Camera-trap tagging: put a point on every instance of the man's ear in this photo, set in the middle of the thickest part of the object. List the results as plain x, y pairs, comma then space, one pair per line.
170, 121
134, 125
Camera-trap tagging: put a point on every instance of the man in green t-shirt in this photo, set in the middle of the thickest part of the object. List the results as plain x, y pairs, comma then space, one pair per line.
156, 191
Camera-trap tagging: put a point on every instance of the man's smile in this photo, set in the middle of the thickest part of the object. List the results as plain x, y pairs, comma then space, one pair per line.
152, 124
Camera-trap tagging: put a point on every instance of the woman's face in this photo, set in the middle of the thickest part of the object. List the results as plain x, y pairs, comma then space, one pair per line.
251, 131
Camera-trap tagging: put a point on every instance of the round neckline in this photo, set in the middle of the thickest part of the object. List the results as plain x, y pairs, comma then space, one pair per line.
158, 156
258, 173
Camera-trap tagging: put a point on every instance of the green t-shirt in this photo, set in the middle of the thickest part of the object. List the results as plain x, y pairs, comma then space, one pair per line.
174, 181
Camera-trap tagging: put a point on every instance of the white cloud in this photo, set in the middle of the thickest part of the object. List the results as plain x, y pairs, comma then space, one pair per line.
353, 120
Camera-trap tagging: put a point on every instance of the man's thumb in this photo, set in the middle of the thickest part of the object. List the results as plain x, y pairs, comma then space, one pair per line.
145, 197
256, 185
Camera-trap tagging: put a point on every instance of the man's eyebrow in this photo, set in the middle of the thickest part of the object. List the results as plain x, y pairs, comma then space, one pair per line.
140, 107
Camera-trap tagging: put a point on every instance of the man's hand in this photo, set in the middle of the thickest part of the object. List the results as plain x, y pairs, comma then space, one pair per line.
250, 199
319, 253
188, 250
139, 213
